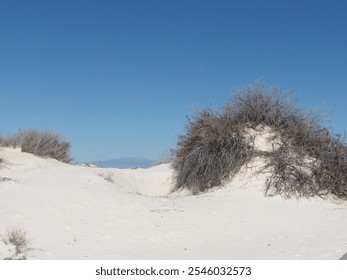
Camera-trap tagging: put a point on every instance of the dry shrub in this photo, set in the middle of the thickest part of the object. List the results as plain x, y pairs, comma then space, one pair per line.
331, 169
43, 144
310, 161
291, 174
212, 150
17, 237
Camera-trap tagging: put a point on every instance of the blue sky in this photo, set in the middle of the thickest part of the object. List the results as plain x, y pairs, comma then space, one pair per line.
117, 78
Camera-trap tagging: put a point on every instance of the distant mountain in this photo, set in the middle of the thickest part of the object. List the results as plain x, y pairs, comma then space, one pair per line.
125, 162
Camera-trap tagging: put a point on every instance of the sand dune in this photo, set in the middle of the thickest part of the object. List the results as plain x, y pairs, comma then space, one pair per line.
77, 212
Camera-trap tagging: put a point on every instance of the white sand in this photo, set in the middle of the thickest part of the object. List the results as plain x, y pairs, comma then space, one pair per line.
75, 212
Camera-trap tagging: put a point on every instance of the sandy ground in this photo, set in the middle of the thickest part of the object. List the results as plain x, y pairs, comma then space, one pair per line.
76, 212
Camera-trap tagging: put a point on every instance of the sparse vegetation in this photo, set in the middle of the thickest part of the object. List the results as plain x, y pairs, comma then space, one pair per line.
17, 238
5, 179
43, 144
108, 177
309, 161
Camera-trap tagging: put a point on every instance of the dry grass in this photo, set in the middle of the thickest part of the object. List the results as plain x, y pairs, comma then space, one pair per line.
17, 237
43, 144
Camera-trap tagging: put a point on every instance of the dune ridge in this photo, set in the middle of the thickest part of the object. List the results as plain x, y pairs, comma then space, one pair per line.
76, 212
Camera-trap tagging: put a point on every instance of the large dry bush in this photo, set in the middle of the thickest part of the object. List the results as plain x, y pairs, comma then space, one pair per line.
212, 150
310, 161
44, 144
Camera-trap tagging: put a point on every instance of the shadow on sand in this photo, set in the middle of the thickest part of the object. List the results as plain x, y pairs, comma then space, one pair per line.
344, 257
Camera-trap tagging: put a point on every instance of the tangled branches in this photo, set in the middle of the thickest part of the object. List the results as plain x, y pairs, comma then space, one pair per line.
310, 160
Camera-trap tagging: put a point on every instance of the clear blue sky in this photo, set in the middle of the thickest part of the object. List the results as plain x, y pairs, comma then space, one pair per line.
117, 78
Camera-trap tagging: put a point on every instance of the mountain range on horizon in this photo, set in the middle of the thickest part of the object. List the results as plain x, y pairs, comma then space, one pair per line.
125, 162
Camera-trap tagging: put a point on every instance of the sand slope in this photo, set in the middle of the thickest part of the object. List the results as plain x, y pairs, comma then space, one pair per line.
76, 212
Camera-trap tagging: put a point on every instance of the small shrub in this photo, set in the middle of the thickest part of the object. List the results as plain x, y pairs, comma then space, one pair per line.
4, 179
17, 238
108, 177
